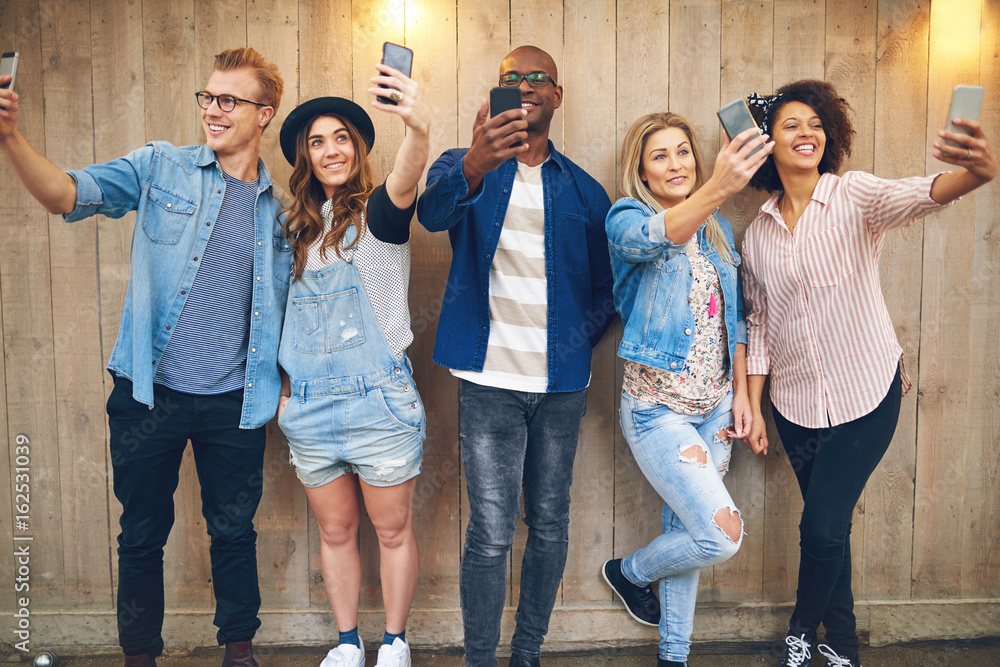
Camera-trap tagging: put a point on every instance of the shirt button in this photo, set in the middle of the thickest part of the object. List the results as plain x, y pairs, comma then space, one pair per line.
183, 291
687, 332
395, 371
256, 312
168, 327
169, 205
673, 364
406, 387
484, 328
487, 255
496, 224
413, 406
195, 259
249, 384
505, 190
154, 363
259, 243
218, 192
253, 349
258, 277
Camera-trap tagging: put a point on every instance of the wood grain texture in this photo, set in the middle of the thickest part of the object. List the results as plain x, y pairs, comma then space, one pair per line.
946, 358
900, 106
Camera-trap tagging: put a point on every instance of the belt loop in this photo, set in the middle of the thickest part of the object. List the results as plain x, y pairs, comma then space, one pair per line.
302, 392
361, 386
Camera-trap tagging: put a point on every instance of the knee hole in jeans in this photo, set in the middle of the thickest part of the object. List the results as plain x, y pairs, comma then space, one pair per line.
729, 521
694, 454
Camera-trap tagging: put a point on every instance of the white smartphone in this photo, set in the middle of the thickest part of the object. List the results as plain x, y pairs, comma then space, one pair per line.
8, 65
966, 103
735, 117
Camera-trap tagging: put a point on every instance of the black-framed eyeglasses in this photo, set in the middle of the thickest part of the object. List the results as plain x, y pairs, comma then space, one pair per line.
535, 79
226, 102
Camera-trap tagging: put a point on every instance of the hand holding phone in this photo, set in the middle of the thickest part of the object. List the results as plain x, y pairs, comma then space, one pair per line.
504, 99
8, 65
966, 102
735, 118
397, 57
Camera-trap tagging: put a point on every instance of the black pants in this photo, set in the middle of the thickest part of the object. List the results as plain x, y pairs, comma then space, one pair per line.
832, 466
146, 450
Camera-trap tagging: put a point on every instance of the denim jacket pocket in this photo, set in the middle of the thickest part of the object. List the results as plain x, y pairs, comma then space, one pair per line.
282, 259
573, 254
826, 257
166, 216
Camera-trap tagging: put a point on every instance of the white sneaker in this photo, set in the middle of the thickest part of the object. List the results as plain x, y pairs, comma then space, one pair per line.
345, 655
396, 654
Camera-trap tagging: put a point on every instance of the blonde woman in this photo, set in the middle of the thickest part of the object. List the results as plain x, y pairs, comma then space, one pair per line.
685, 394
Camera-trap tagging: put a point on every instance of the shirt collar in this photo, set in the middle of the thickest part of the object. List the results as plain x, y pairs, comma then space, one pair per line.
206, 156
821, 193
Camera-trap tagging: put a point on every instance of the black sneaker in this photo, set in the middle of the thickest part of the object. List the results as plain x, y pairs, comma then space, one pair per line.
833, 659
798, 651
639, 601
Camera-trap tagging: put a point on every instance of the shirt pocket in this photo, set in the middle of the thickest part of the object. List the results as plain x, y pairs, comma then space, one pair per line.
827, 258
167, 215
282, 259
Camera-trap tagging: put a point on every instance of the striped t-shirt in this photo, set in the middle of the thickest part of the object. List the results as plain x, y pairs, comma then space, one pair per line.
516, 352
207, 350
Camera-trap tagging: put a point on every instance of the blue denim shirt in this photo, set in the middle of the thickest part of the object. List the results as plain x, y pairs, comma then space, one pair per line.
176, 191
652, 284
577, 265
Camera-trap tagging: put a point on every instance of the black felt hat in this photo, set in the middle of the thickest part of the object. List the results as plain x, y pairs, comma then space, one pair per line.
304, 114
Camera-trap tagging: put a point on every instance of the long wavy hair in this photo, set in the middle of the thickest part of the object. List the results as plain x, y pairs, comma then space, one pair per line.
630, 183
304, 223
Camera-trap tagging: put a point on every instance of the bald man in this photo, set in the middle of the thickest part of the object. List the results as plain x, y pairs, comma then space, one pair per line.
528, 296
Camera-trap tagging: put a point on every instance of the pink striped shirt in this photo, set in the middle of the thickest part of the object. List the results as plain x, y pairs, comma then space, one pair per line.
817, 321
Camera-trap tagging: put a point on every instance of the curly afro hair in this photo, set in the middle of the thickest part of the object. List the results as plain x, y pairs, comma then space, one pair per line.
832, 110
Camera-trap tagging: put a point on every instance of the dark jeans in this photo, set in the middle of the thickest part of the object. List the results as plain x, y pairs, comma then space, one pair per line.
512, 439
146, 450
832, 466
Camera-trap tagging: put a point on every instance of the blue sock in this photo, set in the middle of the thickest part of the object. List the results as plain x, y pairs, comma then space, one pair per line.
389, 638
351, 637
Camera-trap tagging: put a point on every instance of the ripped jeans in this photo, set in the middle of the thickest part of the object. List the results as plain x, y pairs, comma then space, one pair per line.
684, 457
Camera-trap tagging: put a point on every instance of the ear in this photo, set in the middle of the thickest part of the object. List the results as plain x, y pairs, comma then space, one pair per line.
559, 96
266, 114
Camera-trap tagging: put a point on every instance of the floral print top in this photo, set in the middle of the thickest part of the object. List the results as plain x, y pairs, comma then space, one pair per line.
705, 379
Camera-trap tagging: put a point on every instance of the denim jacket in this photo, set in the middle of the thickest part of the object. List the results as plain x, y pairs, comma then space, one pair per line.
176, 192
577, 266
652, 284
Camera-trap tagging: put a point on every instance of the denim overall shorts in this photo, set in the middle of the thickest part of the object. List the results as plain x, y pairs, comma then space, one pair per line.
354, 408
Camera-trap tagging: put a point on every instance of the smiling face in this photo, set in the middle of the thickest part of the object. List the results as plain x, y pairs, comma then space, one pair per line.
331, 153
799, 139
668, 166
231, 132
540, 102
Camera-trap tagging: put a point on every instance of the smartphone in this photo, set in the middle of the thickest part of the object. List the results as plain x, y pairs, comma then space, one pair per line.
396, 56
735, 117
504, 99
966, 102
8, 65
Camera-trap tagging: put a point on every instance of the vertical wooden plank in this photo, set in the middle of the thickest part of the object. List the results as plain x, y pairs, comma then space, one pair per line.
850, 67
75, 303
981, 524
8, 471
799, 38
643, 46
25, 278
900, 106
219, 25
694, 93
589, 122
432, 33
375, 22
116, 45
282, 521
745, 68
169, 45
945, 343
540, 23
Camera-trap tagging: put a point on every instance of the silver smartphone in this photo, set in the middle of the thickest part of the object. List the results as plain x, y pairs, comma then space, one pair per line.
966, 103
735, 118
8, 65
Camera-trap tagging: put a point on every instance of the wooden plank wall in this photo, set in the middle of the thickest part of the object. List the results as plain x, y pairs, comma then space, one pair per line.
100, 77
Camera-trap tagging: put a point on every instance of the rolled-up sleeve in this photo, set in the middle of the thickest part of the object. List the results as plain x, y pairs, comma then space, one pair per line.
634, 236
111, 189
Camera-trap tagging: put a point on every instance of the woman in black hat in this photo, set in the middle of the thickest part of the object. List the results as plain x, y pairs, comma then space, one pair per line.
349, 407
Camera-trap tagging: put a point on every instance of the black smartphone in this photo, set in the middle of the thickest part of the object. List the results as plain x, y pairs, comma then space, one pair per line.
398, 57
966, 102
735, 118
504, 99
8, 65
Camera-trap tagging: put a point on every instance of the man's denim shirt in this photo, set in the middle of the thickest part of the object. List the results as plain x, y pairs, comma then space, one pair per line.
577, 263
177, 192
652, 284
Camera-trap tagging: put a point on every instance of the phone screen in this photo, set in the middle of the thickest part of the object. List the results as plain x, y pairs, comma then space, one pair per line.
735, 118
966, 103
398, 57
505, 99
8, 65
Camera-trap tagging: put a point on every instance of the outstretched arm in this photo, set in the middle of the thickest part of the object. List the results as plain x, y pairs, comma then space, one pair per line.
401, 184
51, 186
975, 155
